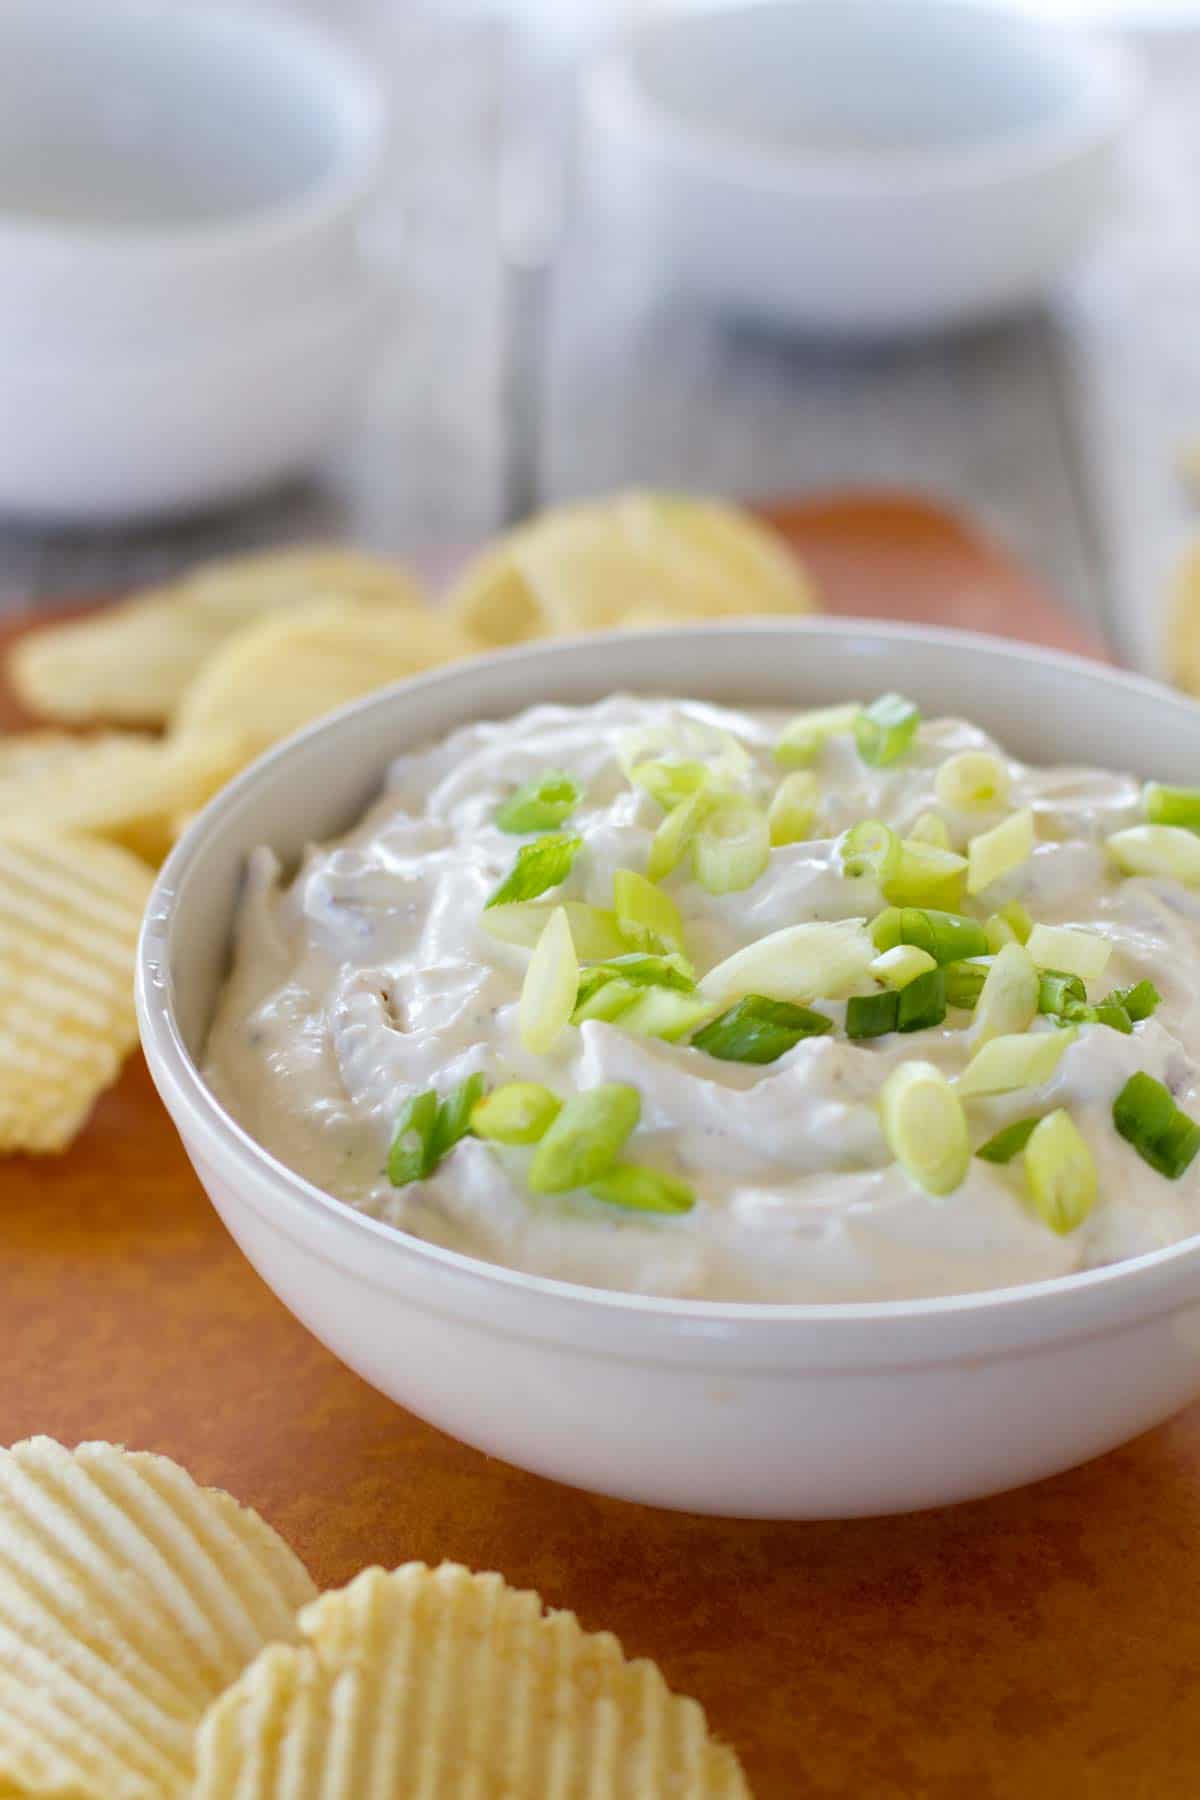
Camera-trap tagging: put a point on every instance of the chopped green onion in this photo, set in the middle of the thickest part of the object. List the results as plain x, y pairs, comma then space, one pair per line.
869, 851
1168, 850
1009, 1000
454, 1115
925, 876
602, 996
1057, 990
670, 782
793, 808
873, 1015
677, 830
996, 853
931, 828
521, 1112
646, 915
814, 960
1105, 1012
639, 1189
541, 805
1015, 915
897, 967
1171, 805
804, 736
973, 781
947, 936
1079, 953
1139, 1000
724, 759
1005, 1145
759, 1030
539, 866
1145, 1114
593, 929
922, 1003
732, 847
1004, 1064
1061, 1172
585, 1139
673, 971
663, 1013
964, 983
999, 933
411, 1156
884, 730
925, 1126
550, 985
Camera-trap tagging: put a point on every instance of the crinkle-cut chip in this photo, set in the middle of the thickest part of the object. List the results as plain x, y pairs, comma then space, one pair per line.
129, 664
1183, 623
639, 558
130, 1598
70, 910
121, 786
286, 671
450, 1686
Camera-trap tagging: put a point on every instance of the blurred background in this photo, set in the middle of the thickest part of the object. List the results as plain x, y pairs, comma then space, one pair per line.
537, 338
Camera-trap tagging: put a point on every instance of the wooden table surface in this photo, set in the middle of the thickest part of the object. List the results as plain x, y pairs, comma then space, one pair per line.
533, 355
1044, 1643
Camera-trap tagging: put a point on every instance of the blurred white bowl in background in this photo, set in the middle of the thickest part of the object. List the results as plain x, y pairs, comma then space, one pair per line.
182, 291
861, 168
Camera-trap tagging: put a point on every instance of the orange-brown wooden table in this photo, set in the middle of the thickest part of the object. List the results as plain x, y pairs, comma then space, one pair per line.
1044, 1643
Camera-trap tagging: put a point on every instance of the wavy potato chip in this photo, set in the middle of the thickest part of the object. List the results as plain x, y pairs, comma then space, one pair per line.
70, 911
288, 670
632, 560
130, 664
446, 1685
1183, 624
130, 1598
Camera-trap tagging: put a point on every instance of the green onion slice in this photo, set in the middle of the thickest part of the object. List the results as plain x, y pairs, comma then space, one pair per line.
541, 804
869, 851
973, 781
1007, 1143
593, 929
884, 731
411, 1156
663, 1013
925, 876
1171, 805
677, 831
550, 985
602, 996
964, 983
805, 736
793, 808
670, 782
639, 1189
1165, 850
454, 1115
925, 1126
996, 853
684, 741
732, 847
586, 1138
1004, 1064
1105, 1012
1139, 1000
672, 971
1145, 1114
1057, 990
539, 866
759, 1030
872, 1015
646, 915
1073, 952
947, 936
1061, 1172
897, 967
815, 960
520, 1112
1008, 1002
922, 1003
931, 828
1015, 915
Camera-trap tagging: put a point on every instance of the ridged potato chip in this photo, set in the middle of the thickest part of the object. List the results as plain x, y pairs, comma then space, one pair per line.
130, 664
70, 910
120, 786
1183, 624
282, 673
130, 1597
450, 1686
636, 559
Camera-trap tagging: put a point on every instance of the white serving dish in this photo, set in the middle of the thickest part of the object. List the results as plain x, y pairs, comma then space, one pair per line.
773, 1411
181, 194
860, 168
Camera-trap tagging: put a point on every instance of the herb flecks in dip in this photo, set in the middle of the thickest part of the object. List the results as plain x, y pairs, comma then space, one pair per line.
680, 1000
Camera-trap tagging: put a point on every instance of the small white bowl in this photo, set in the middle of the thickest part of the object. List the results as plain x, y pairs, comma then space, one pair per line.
179, 187
860, 168
772, 1411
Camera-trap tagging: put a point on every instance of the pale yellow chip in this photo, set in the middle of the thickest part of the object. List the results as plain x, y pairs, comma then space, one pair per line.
70, 910
129, 1599
288, 670
129, 664
451, 1686
636, 559
118, 785
1183, 623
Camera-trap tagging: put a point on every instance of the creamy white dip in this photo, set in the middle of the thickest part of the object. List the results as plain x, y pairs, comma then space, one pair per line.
368, 977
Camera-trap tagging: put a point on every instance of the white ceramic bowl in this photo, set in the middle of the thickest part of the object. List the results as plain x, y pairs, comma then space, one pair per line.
181, 191
776, 1411
860, 167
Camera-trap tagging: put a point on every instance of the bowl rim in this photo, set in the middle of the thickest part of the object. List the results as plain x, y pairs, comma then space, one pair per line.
173, 1067
335, 192
1110, 87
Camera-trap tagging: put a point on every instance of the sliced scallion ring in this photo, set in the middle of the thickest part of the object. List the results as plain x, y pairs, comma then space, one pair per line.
869, 851
593, 929
664, 1013
793, 808
586, 1138
1074, 952
964, 983
947, 936
924, 875
1061, 1172
1004, 1064
1007, 1143
646, 915
1058, 989
732, 847
520, 1112
675, 834
758, 1030
1008, 1001
996, 853
1165, 850
873, 1015
925, 1126
639, 1189
902, 964
411, 1156
931, 828
814, 960
670, 782
1171, 805
550, 986
540, 865
973, 781
1139, 1000
805, 736
541, 804
885, 730
1145, 1114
